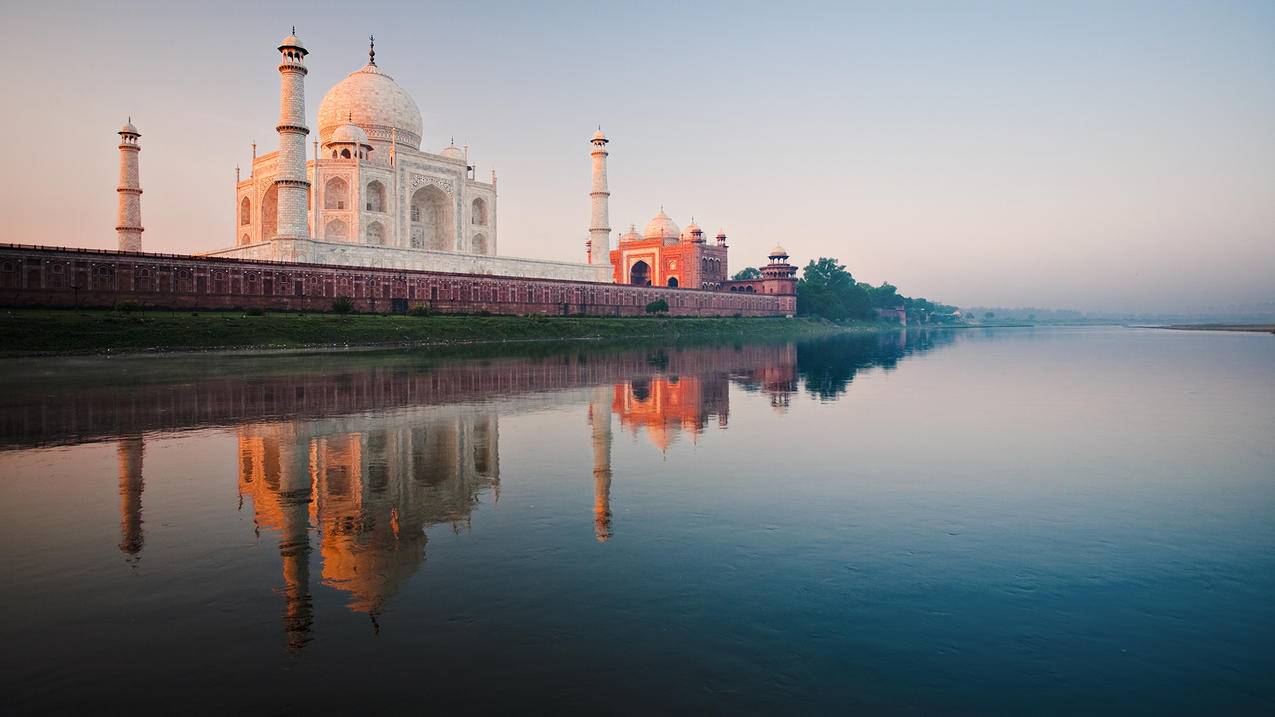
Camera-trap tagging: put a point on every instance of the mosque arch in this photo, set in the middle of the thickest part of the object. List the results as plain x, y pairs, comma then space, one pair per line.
480, 244
375, 234
345, 154
672, 281
336, 229
432, 219
478, 212
336, 194
245, 212
245, 239
375, 196
270, 212
640, 274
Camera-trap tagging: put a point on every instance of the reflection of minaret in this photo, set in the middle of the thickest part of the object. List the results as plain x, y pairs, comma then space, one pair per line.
273, 469
130, 459
600, 418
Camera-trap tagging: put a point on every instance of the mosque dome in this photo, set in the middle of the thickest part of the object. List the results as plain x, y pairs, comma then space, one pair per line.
691, 230
661, 227
348, 134
128, 128
778, 251
631, 235
371, 99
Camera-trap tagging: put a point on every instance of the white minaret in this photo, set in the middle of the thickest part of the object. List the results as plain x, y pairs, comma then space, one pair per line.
128, 221
600, 225
291, 181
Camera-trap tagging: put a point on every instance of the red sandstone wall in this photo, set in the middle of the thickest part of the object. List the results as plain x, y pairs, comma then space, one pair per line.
54, 276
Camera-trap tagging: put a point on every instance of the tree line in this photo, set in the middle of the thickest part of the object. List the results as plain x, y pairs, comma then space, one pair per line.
826, 289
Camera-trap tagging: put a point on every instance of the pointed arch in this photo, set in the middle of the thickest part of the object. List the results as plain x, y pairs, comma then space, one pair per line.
270, 212
479, 244
640, 274
336, 194
375, 196
245, 212
478, 212
336, 230
433, 223
375, 234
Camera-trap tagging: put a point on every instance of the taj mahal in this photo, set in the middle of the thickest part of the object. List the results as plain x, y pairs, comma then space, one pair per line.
369, 195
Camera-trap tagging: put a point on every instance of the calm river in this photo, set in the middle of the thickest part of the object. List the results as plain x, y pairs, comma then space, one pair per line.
1015, 520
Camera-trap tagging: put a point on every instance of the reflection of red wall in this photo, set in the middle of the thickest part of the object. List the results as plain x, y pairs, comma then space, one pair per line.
52, 276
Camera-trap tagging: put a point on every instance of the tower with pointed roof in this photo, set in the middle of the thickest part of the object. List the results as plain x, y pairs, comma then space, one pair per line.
600, 222
128, 220
291, 182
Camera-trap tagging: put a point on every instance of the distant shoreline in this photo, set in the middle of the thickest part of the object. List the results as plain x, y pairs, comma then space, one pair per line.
1256, 328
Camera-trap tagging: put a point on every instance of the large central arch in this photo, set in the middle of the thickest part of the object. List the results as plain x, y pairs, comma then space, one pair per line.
640, 274
433, 226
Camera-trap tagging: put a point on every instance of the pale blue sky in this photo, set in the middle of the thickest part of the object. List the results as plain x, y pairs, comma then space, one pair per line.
1092, 155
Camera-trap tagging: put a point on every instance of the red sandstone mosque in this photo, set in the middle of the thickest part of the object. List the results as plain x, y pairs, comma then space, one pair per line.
375, 217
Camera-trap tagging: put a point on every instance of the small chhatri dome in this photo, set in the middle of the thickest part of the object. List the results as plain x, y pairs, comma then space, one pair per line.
692, 232
292, 41
348, 134
371, 99
631, 234
128, 128
453, 152
661, 227
598, 137
778, 253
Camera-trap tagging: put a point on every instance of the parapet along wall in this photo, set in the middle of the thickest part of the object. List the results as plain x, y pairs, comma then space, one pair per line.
95, 278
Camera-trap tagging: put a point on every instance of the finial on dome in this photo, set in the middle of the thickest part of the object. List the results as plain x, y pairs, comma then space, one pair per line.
294, 30
371, 50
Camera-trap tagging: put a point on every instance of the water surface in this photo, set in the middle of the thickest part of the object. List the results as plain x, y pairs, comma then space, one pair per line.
1070, 521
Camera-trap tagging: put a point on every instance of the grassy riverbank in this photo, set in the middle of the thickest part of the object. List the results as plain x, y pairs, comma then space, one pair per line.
55, 332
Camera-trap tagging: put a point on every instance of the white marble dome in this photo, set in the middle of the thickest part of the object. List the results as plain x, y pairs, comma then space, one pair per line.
661, 227
453, 152
348, 134
371, 99
128, 128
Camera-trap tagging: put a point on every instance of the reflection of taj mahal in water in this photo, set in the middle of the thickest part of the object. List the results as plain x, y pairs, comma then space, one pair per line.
359, 491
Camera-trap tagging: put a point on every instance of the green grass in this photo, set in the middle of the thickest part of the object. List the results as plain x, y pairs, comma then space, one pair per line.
58, 331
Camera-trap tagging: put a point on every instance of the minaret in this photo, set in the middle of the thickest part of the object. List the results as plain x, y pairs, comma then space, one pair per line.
600, 225
291, 180
600, 418
128, 221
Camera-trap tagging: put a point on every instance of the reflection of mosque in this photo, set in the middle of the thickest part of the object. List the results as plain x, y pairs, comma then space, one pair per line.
369, 494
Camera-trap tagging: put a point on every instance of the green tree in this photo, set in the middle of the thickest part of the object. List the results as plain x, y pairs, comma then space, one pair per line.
659, 306
826, 289
748, 272
885, 296
989, 315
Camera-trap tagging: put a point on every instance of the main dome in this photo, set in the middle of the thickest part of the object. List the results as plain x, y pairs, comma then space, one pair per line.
661, 227
372, 100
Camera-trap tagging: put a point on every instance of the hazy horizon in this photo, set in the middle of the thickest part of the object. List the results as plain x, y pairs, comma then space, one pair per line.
1089, 156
